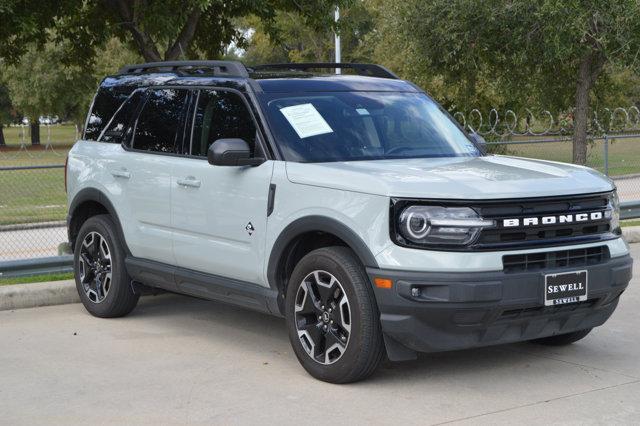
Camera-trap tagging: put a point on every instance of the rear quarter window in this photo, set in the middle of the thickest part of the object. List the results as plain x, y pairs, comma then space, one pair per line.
106, 103
119, 128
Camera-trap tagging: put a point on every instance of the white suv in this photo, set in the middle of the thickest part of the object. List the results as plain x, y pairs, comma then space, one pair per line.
351, 204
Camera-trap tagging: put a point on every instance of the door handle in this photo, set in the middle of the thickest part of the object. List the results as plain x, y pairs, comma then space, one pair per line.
121, 174
189, 181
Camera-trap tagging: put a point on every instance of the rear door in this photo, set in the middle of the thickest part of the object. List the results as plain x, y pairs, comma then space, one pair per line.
219, 213
145, 169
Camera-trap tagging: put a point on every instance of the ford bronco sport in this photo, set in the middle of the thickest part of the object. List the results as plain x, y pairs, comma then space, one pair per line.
352, 205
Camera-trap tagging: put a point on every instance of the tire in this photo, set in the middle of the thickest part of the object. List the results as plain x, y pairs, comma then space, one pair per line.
330, 304
563, 339
99, 261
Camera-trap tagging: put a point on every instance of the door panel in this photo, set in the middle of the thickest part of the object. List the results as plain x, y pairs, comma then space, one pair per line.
210, 221
148, 192
158, 131
219, 213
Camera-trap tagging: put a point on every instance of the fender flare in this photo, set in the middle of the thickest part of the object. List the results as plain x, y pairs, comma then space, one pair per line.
93, 194
318, 224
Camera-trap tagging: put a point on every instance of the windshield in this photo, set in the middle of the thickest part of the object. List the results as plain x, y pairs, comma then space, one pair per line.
351, 126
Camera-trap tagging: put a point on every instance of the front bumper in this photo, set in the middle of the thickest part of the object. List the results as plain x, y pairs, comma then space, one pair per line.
471, 309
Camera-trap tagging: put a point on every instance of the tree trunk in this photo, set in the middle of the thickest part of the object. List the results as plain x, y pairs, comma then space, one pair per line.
2, 142
35, 133
130, 13
588, 72
580, 114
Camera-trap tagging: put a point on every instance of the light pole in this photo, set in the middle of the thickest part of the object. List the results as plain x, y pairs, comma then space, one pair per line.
337, 41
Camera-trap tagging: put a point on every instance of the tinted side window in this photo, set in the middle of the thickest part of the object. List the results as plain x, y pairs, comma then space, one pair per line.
118, 130
159, 124
107, 101
221, 114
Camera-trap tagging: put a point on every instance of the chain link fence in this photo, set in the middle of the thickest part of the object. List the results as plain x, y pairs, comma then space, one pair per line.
32, 211
613, 146
33, 199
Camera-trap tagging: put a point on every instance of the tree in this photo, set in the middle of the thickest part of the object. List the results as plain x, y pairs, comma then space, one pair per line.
158, 30
26, 23
39, 85
550, 52
444, 46
42, 84
288, 38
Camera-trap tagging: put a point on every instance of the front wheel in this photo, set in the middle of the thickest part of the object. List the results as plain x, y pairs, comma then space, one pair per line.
332, 317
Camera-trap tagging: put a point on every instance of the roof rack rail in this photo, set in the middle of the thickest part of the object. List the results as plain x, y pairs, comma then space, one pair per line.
372, 70
222, 68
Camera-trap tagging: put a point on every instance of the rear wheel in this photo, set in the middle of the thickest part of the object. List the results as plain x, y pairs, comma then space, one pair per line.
332, 317
563, 339
101, 277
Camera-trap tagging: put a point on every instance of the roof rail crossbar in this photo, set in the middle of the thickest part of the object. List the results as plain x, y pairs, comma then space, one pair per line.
222, 68
372, 70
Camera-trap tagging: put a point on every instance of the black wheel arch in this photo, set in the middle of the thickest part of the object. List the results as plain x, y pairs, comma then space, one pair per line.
324, 231
86, 203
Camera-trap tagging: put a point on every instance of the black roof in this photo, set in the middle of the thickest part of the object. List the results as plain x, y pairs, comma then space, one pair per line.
296, 77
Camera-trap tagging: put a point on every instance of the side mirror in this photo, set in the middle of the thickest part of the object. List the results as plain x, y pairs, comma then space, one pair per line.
480, 142
232, 152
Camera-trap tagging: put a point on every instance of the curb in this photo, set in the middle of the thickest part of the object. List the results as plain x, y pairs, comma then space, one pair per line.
631, 234
20, 296
37, 225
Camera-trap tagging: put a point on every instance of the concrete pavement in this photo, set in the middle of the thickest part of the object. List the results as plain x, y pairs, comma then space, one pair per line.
178, 360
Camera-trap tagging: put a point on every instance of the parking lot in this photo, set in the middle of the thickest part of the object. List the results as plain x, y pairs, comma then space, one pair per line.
179, 360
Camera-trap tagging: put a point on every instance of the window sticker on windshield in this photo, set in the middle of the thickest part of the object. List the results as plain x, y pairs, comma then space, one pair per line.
362, 111
306, 120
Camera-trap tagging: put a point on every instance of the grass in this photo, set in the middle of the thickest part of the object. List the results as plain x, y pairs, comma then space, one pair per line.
31, 196
624, 154
58, 134
36, 279
633, 222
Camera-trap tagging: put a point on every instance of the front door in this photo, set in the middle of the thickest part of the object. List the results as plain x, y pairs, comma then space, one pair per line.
219, 213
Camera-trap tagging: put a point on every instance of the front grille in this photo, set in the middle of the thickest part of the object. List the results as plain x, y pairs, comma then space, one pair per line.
543, 234
555, 259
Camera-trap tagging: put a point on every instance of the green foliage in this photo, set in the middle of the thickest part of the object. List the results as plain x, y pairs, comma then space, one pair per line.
25, 22
41, 83
157, 30
552, 54
288, 38
506, 53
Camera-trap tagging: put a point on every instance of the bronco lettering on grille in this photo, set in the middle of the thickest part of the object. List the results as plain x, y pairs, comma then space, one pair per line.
552, 220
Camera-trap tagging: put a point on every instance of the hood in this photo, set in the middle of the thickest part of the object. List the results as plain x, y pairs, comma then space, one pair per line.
490, 177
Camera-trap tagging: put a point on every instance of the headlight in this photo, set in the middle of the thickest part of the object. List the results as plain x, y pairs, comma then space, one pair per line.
436, 225
614, 213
